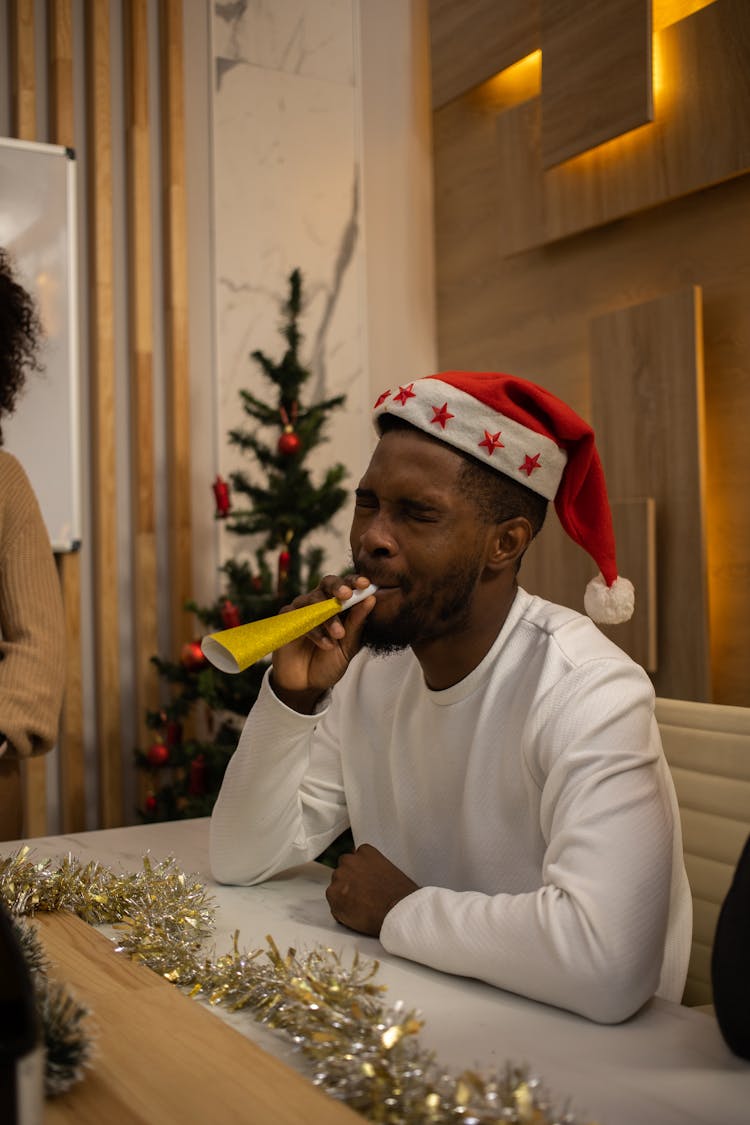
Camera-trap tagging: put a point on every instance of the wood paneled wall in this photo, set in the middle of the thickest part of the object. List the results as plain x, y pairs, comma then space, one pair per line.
578, 276
151, 284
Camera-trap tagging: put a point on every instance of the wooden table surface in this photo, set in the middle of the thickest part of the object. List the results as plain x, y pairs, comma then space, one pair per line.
162, 1057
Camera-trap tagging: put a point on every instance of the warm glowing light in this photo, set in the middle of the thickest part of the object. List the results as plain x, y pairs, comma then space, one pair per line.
657, 72
517, 83
666, 12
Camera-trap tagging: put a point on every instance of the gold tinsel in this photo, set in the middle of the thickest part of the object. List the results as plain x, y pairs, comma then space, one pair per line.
358, 1049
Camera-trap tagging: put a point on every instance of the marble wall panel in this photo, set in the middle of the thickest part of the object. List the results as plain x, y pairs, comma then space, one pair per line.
287, 194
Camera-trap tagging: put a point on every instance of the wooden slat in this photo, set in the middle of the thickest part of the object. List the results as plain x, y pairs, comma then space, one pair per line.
648, 414
162, 1058
596, 81
102, 398
72, 787
140, 289
175, 288
474, 39
60, 78
23, 69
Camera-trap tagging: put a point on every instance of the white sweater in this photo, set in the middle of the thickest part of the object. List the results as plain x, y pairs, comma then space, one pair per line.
531, 802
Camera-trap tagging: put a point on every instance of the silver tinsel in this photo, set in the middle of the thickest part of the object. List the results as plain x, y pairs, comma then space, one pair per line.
358, 1049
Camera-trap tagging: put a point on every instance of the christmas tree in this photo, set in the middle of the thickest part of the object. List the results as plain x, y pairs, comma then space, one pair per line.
196, 731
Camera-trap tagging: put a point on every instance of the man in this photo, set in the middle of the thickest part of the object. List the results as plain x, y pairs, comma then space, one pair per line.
496, 756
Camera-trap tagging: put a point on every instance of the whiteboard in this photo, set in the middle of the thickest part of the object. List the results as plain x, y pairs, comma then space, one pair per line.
38, 229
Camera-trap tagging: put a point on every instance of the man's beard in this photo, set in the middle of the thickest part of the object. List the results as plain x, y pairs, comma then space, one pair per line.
444, 609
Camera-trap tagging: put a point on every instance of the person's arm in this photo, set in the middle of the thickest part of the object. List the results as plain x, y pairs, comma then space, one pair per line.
32, 645
591, 938
282, 800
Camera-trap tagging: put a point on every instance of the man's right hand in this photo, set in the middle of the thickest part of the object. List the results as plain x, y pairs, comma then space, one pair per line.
306, 669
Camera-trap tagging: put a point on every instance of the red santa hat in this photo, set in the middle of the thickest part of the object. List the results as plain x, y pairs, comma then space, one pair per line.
533, 437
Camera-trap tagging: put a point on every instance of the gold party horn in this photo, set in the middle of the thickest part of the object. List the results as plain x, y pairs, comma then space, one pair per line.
234, 650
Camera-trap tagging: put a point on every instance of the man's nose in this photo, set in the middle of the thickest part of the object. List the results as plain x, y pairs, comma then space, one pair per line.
377, 538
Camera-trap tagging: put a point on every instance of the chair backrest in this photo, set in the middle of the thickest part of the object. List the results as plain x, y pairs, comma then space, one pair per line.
708, 749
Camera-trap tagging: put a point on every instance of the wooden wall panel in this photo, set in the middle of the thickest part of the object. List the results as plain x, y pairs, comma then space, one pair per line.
141, 339
529, 313
72, 786
700, 135
474, 39
119, 658
596, 80
102, 413
648, 413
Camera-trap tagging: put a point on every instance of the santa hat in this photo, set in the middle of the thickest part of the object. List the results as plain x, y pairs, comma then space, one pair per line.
527, 433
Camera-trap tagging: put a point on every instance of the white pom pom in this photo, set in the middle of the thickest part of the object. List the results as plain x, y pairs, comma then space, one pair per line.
609, 605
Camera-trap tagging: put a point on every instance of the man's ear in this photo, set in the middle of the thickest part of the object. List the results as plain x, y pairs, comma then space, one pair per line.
508, 541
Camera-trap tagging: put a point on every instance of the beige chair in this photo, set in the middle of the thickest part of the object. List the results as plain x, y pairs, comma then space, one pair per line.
708, 749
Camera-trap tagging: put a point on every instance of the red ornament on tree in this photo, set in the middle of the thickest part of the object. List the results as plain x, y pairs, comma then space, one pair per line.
230, 615
174, 733
197, 782
285, 560
150, 803
221, 496
191, 655
158, 754
289, 443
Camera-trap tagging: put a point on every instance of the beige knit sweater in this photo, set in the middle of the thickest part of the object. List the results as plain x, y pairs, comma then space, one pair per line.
32, 625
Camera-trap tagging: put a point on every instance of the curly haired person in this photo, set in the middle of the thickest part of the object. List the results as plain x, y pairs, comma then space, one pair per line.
32, 627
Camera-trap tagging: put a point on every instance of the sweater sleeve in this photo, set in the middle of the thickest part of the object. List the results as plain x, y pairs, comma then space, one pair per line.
32, 648
282, 799
591, 937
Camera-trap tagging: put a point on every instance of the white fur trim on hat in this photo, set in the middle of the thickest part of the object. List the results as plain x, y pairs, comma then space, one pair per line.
459, 419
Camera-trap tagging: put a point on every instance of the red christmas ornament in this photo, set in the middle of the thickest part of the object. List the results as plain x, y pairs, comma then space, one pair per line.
257, 583
285, 560
158, 754
197, 782
221, 496
230, 615
150, 803
191, 655
289, 443
174, 733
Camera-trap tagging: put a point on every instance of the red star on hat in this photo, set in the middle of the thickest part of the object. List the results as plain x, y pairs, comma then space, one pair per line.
381, 399
529, 464
442, 414
491, 442
404, 393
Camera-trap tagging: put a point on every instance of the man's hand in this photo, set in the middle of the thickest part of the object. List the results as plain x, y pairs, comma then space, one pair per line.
364, 887
306, 669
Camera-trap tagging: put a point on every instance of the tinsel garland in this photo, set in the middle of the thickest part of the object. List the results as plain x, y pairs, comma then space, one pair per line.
360, 1051
67, 1044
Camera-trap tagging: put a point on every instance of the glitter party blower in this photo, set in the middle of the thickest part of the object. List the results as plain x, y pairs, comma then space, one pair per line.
234, 650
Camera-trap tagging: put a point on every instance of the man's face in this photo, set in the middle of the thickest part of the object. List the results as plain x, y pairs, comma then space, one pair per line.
418, 539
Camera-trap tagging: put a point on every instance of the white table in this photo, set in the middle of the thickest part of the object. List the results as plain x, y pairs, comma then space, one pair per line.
668, 1065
